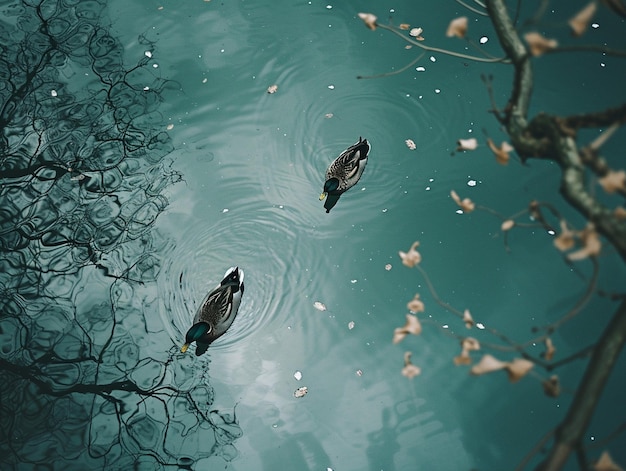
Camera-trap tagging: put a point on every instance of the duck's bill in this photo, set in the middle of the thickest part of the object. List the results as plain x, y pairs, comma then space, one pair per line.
322, 196
184, 348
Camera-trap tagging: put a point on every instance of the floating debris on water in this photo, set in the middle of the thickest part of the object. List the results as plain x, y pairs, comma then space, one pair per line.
351, 325
359, 372
301, 392
388, 267
298, 375
272, 89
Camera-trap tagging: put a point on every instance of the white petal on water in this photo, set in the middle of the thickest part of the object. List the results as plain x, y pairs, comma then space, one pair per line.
297, 375
359, 372
53, 93
148, 54
319, 306
351, 325
388, 267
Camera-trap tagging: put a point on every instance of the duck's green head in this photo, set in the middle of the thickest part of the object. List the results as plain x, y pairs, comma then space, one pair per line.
195, 333
329, 185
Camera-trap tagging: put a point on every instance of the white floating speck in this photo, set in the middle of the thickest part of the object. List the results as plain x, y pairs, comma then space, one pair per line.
145, 89
319, 306
420, 69
328, 115
170, 127
353, 281
331, 87
351, 325
388, 267
471, 183
147, 54
480, 325
272, 89
595, 25
410, 144
437, 90
484, 39
205, 80
359, 372
297, 375
432, 59
385, 210
301, 392
328, 7
53, 93
225, 210
155, 66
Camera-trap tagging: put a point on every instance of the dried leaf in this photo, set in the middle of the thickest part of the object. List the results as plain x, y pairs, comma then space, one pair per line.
613, 181
467, 318
550, 349
369, 20
507, 225
417, 33
620, 213
410, 370
565, 240
462, 359
518, 368
410, 144
467, 205
552, 386
398, 335
591, 245
404, 26
580, 22
415, 304
606, 463
412, 326
502, 152
470, 343
487, 364
539, 44
466, 144
412, 257
272, 89
457, 27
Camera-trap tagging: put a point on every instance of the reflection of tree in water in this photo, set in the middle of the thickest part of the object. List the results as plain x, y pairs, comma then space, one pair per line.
82, 174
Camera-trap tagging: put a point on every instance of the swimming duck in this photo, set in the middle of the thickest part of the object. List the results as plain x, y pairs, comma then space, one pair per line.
344, 172
217, 312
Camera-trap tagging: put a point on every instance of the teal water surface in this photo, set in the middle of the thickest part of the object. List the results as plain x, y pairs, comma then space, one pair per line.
240, 187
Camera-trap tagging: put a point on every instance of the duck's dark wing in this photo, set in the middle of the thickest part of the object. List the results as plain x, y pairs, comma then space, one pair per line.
217, 306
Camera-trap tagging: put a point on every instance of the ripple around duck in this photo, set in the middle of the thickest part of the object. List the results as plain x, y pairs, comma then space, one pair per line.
255, 240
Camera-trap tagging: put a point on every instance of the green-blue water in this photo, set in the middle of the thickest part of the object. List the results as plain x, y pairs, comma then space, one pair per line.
237, 183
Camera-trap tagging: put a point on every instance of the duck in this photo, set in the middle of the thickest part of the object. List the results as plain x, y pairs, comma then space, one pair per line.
344, 172
217, 312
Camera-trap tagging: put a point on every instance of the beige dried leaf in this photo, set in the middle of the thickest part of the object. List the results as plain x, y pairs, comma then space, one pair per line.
470, 343
467, 318
404, 26
539, 44
410, 370
466, 144
552, 386
467, 205
369, 20
415, 304
518, 368
507, 225
462, 359
398, 335
591, 244
487, 364
412, 257
502, 152
417, 33
550, 349
606, 463
613, 181
565, 240
580, 22
457, 27
412, 326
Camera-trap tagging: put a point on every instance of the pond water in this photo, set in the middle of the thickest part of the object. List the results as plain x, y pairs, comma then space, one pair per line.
172, 162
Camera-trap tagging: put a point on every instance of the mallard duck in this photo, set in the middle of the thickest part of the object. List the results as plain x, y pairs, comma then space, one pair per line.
344, 172
217, 312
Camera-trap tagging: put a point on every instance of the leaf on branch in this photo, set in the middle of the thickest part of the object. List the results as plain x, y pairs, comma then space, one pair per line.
613, 181
412, 326
539, 44
457, 27
507, 225
466, 144
487, 364
468, 344
565, 240
415, 305
417, 33
591, 244
580, 22
552, 386
502, 152
606, 463
467, 318
369, 20
518, 368
550, 349
412, 257
467, 205
404, 26
410, 370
